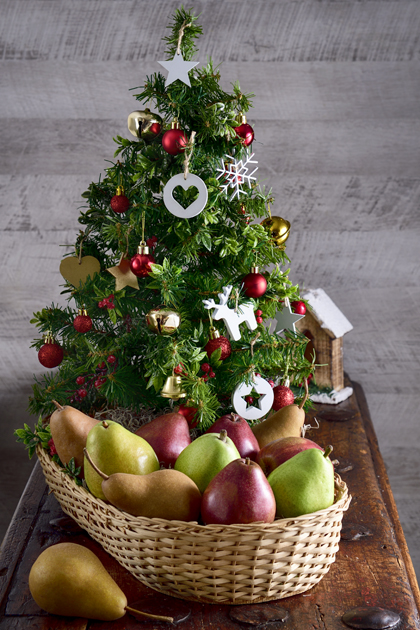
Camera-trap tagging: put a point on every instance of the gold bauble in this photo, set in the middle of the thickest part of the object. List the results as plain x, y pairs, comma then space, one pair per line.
173, 388
278, 228
163, 320
142, 124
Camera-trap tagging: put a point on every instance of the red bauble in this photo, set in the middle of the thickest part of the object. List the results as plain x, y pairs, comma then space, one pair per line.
50, 354
283, 396
154, 129
246, 133
82, 323
140, 264
254, 283
218, 342
174, 141
188, 413
120, 203
299, 307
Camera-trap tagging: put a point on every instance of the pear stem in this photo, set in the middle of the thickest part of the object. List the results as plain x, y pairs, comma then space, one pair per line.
223, 435
305, 398
247, 461
94, 466
105, 424
59, 407
150, 616
328, 450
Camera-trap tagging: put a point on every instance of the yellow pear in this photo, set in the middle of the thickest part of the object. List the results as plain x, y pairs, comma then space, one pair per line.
286, 422
69, 430
69, 579
164, 493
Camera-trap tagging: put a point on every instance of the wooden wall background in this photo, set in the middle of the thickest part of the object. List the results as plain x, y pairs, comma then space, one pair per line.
337, 121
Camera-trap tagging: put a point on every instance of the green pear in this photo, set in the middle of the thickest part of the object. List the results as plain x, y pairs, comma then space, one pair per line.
165, 493
206, 456
69, 579
116, 449
304, 483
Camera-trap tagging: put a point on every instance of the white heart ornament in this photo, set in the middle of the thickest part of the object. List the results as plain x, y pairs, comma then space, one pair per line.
193, 209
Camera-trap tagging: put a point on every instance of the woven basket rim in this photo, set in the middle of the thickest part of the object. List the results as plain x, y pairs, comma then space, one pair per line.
341, 502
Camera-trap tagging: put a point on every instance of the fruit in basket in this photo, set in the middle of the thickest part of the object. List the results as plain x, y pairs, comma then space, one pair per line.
116, 449
69, 430
206, 456
238, 494
279, 451
168, 435
239, 432
304, 483
165, 493
69, 579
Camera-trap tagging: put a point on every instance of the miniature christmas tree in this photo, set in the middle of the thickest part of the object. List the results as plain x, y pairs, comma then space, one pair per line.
179, 266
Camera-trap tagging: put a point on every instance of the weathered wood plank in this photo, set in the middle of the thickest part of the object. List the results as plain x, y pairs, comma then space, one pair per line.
275, 31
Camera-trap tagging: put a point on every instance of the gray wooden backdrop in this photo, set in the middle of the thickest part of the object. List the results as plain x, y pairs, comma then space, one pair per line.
337, 122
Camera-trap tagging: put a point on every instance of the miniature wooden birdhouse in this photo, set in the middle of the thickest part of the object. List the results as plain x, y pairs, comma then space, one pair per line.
325, 325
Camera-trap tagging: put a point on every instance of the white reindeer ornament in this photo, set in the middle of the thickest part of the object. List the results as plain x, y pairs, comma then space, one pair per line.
232, 317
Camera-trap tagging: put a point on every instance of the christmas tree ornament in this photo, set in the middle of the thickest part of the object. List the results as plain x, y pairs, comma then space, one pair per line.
264, 403
234, 174
119, 202
232, 317
196, 206
140, 263
111, 359
189, 414
277, 228
173, 388
178, 69
286, 319
123, 275
82, 392
82, 323
216, 341
145, 124
283, 396
51, 353
299, 307
76, 269
174, 141
244, 131
254, 284
163, 320
80, 380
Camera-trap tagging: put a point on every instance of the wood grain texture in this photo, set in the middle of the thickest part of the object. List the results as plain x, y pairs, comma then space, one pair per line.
337, 121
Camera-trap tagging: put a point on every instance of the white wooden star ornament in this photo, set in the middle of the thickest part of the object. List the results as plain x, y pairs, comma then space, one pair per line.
178, 69
264, 402
286, 319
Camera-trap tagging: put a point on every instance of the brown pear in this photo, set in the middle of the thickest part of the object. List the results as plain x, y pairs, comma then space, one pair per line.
286, 422
69, 430
164, 493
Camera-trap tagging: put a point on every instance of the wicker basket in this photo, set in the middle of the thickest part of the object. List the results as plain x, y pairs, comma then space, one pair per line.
235, 564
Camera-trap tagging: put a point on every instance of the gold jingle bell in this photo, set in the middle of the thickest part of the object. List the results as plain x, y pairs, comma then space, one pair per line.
278, 228
163, 320
144, 124
173, 388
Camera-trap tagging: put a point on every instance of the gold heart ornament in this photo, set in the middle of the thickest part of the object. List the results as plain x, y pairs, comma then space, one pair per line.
76, 272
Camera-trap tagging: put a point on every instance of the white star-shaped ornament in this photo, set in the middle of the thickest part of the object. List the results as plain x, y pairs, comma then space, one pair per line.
178, 69
286, 319
264, 402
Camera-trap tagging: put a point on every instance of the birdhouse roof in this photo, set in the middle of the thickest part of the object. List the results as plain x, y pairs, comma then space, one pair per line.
326, 313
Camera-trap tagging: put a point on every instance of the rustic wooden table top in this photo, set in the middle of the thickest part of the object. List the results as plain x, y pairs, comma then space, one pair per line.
373, 567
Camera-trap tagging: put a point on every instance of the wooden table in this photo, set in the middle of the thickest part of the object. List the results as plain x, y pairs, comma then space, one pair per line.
373, 567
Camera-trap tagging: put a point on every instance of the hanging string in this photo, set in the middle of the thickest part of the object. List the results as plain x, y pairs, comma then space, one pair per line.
253, 342
80, 246
143, 223
181, 35
125, 253
188, 154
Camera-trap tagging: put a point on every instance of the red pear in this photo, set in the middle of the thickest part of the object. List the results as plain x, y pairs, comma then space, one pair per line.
238, 494
168, 435
239, 432
278, 451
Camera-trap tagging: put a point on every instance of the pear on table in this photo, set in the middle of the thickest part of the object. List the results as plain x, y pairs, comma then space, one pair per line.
69, 430
116, 449
164, 493
206, 456
69, 579
304, 483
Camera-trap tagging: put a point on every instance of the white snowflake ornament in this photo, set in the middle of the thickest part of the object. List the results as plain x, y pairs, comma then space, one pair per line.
232, 317
264, 402
234, 173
